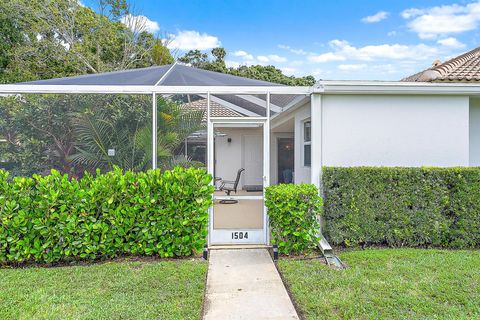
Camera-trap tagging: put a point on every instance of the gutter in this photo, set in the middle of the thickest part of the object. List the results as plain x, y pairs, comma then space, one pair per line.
395, 87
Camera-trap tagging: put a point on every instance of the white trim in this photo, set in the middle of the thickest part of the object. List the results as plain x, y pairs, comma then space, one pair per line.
220, 236
224, 236
237, 197
154, 131
326, 87
230, 120
266, 168
36, 88
293, 105
306, 143
316, 140
166, 73
395, 87
210, 167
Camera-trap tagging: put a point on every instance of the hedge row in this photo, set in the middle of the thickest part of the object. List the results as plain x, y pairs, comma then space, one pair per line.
293, 211
402, 206
53, 218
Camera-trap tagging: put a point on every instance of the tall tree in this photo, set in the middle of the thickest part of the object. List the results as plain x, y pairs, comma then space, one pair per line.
63, 38
42, 39
10, 35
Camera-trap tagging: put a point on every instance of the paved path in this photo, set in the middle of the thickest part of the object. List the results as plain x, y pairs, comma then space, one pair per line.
244, 284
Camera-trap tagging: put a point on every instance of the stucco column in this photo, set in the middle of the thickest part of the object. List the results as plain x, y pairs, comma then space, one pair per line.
316, 140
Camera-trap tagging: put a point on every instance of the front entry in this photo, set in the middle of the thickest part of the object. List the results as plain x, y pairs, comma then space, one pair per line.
236, 159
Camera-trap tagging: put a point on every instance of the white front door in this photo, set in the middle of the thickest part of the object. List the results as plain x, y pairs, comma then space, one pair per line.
241, 217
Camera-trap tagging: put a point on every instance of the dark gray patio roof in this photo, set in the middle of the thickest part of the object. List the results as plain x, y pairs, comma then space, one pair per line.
179, 75
167, 75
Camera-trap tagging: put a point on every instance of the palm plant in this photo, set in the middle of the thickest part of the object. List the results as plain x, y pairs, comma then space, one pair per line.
98, 132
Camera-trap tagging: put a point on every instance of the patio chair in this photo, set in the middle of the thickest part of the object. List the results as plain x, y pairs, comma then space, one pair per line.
230, 186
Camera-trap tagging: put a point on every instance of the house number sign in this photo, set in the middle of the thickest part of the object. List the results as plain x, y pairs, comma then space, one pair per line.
239, 235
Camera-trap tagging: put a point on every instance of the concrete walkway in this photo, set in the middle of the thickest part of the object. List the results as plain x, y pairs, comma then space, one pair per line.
244, 284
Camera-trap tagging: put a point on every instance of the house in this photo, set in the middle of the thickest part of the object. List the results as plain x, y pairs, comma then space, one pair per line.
429, 119
282, 134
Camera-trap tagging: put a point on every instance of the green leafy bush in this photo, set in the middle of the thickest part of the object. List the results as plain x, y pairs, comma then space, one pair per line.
53, 218
402, 206
293, 211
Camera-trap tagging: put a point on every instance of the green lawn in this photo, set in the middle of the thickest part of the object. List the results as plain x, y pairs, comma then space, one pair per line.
388, 284
170, 289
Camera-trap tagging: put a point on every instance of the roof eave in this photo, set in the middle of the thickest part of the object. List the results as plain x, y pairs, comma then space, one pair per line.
397, 87
65, 89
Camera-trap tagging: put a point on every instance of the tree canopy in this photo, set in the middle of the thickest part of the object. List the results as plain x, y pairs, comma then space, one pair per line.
42, 39
216, 62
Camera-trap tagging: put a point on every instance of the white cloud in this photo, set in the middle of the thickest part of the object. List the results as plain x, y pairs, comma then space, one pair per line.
451, 42
326, 57
436, 21
352, 67
140, 23
343, 50
289, 71
276, 58
263, 59
318, 73
191, 40
292, 50
247, 59
386, 68
392, 33
271, 58
243, 54
377, 17
240, 53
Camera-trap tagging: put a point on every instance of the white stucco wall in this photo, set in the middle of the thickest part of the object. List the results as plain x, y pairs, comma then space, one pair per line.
302, 173
230, 156
474, 127
381, 130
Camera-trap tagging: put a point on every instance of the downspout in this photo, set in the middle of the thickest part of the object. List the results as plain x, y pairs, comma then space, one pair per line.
316, 116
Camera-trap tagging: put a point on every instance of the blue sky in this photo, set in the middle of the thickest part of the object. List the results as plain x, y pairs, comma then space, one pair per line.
376, 40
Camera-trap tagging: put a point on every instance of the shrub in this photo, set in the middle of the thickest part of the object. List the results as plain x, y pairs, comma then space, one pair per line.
293, 211
402, 206
52, 218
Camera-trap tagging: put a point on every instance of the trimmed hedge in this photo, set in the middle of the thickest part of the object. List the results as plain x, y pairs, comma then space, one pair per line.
52, 218
293, 211
402, 206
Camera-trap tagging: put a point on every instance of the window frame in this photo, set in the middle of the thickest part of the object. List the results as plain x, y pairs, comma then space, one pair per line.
306, 142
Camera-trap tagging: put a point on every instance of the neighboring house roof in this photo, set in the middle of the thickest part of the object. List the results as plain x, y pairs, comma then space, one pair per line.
217, 110
464, 68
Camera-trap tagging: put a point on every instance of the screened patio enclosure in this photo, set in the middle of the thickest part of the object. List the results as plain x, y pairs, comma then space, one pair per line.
237, 113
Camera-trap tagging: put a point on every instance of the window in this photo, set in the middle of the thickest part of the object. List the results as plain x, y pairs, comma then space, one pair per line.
307, 144
307, 131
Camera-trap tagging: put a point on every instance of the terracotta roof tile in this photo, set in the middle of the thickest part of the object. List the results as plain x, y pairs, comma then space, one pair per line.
217, 109
464, 68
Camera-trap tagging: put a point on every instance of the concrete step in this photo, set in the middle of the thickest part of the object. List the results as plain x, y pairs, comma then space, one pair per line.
238, 246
